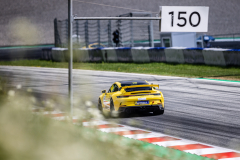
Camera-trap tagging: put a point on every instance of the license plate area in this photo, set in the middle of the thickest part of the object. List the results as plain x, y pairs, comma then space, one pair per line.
142, 102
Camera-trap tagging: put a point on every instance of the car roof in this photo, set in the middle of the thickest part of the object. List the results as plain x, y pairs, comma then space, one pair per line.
130, 82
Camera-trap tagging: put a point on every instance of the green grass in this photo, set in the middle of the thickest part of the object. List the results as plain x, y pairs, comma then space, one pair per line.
182, 70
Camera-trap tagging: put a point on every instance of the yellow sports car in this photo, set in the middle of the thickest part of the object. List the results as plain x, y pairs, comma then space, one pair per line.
131, 96
95, 45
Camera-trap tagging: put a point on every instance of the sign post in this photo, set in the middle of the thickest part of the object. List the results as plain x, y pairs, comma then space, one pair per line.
70, 50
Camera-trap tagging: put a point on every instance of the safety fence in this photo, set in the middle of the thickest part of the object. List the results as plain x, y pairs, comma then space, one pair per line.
218, 57
99, 33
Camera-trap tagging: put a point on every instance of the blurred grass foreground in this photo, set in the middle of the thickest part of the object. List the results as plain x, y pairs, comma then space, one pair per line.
28, 136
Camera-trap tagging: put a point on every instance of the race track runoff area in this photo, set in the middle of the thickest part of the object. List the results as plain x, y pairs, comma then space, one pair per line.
201, 116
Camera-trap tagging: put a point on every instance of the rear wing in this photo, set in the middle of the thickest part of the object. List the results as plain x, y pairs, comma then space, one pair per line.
137, 86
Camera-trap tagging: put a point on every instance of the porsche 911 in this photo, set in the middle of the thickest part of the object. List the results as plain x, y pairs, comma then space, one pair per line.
126, 97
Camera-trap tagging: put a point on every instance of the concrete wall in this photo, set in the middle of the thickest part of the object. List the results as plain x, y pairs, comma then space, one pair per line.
212, 56
216, 57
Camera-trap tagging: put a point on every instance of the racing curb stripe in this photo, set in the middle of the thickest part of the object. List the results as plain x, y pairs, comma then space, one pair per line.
177, 143
160, 139
142, 136
113, 130
121, 133
214, 150
190, 147
230, 158
54, 114
102, 126
222, 155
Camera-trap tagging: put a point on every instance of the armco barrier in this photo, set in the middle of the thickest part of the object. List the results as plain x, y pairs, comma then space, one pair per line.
213, 56
157, 54
174, 55
124, 54
95, 55
12, 53
58, 54
218, 57
193, 56
140, 54
46, 54
82, 55
232, 57
75, 55
109, 55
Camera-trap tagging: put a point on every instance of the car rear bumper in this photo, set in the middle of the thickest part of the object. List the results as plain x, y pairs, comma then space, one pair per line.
132, 109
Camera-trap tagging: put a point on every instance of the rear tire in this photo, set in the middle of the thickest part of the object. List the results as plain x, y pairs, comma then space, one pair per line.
159, 112
100, 105
112, 109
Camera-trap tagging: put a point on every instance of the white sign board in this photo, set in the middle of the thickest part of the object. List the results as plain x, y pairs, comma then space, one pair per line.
184, 19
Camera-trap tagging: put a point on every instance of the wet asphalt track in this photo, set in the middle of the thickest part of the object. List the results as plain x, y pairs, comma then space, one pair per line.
200, 110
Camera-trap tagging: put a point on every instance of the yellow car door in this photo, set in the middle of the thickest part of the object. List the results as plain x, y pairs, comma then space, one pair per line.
108, 96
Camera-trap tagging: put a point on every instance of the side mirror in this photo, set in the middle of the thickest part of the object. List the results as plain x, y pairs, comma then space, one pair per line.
103, 91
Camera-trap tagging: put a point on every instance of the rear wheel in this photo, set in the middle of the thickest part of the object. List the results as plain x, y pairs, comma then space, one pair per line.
159, 112
112, 109
99, 105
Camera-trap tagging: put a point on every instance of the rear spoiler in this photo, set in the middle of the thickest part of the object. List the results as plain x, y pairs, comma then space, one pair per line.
137, 86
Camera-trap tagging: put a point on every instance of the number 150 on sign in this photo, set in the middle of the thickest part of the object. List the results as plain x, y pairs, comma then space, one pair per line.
184, 19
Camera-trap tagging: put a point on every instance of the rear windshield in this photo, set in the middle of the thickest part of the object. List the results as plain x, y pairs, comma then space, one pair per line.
137, 88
